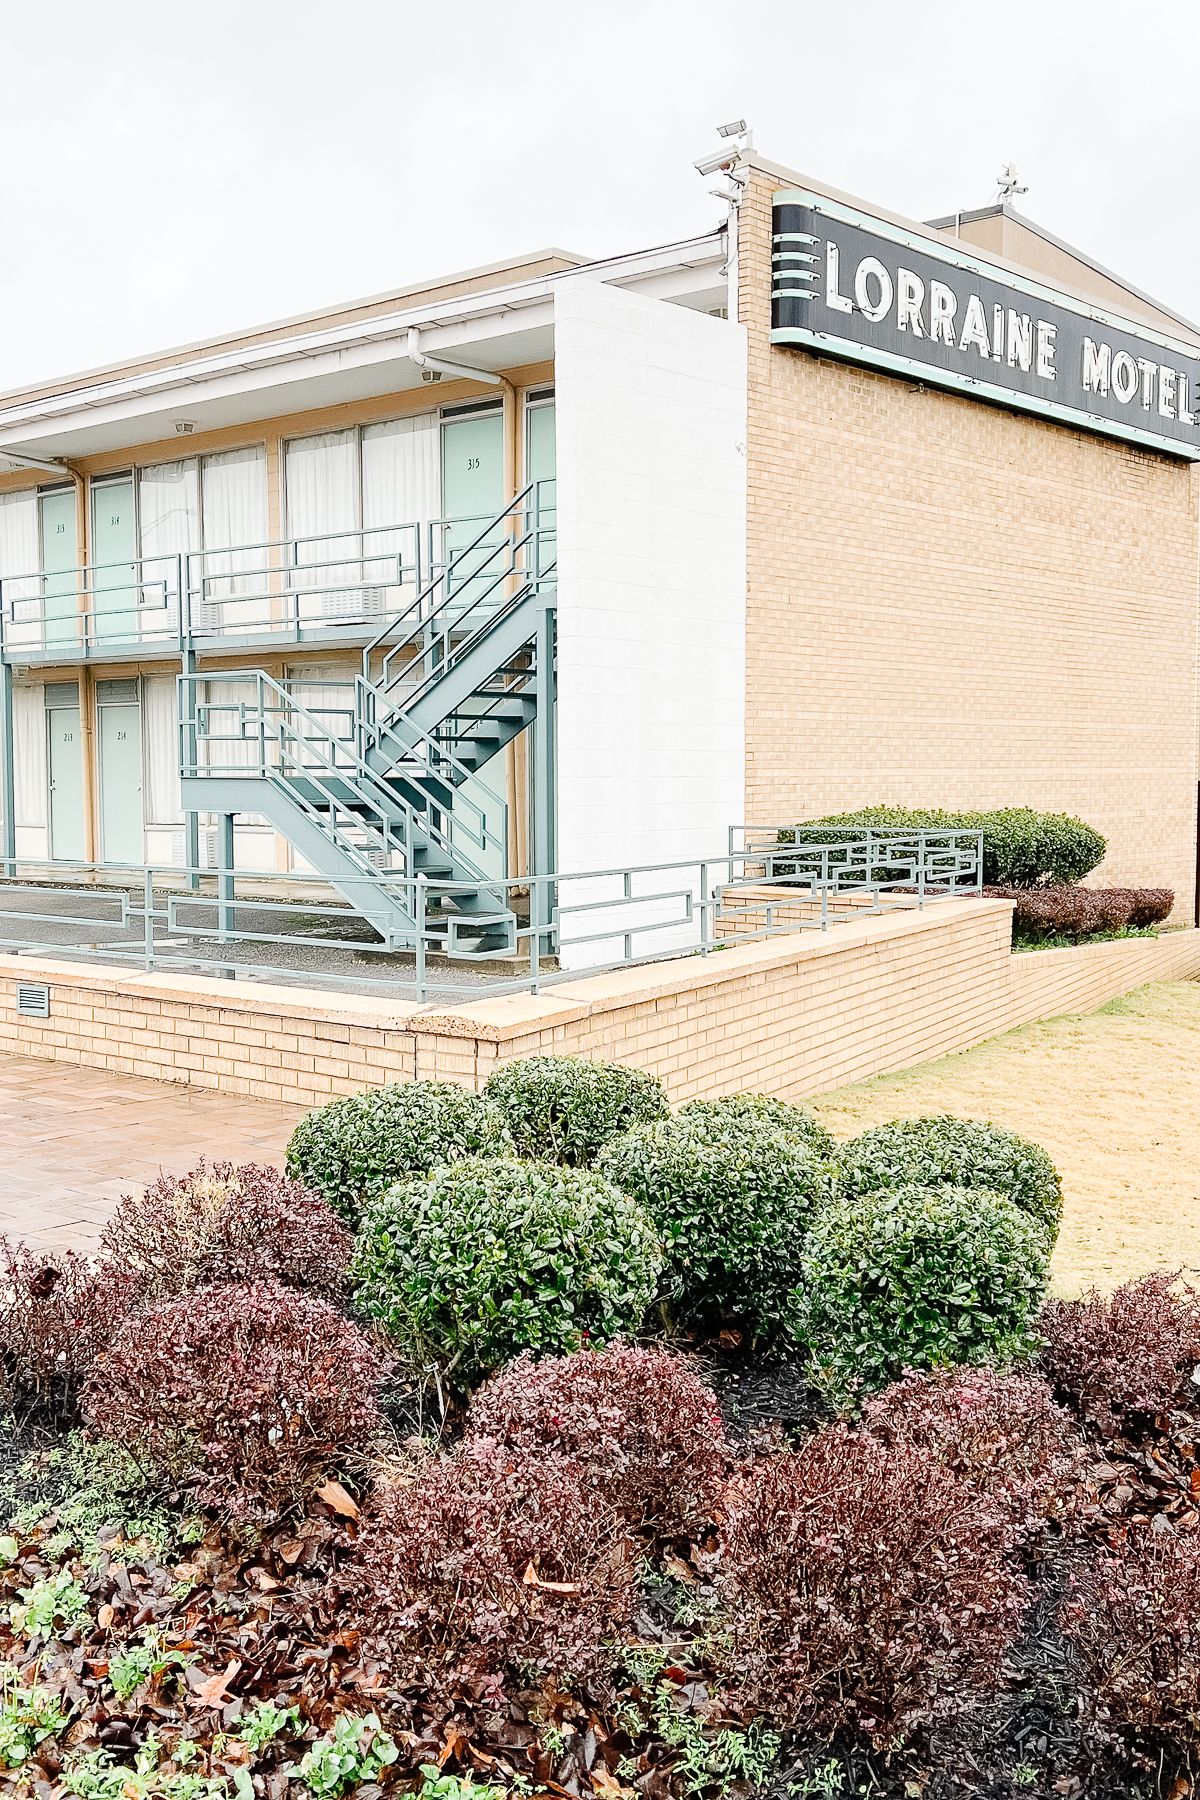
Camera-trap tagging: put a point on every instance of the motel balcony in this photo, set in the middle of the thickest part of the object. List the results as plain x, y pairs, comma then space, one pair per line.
339, 589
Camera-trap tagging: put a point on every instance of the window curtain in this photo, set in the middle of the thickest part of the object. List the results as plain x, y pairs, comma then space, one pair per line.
402, 491
169, 518
225, 746
321, 484
29, 756
327, 694
160, 712
234, 509
20, 557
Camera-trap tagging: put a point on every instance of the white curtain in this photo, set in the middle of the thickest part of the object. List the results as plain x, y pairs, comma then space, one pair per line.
321, 485
224, 747
401, 487
20, 556
326, 693
160, 712
234, 494
169, 520
29, 755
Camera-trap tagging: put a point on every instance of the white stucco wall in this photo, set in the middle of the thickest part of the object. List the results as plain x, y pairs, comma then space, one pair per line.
651, 447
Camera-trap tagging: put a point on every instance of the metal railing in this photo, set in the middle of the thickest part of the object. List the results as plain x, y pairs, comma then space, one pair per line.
284, 928
264, 731
471, 584
320, 585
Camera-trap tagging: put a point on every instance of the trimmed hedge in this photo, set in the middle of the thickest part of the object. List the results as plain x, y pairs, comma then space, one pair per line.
1079, 912
943, 1151
643, 1427
352, 1150
732, 1205
1021, 847
243, 1392
735, 1112
918, 1278
564, 1109
480, 1260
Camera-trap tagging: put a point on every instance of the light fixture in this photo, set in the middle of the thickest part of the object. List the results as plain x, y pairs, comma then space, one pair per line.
184, 427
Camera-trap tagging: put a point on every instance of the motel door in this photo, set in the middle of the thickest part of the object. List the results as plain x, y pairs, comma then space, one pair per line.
472, 491
65, 769
56, 526
114, 600
119, 720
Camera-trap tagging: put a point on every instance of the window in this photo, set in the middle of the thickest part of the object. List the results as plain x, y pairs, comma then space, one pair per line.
356, 503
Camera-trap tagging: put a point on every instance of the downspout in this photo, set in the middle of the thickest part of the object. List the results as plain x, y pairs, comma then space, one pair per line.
441, 366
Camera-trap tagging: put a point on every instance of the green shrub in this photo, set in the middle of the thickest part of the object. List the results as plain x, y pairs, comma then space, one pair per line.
737, 1111
1021, 847
732, 1205
918, 1278
949, 1152
354, 1149
483, 1259
565, 1109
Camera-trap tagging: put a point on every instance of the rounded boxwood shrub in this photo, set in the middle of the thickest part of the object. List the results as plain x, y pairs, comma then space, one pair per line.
732, 1208
481, 1259
918, 1278
565, 1109
739, 1110
354, 1149
948, 1152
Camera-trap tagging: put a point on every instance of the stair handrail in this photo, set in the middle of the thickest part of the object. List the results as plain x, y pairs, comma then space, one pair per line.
380, 829
341, 758
531, 574
416, 618
454, 650
437, 756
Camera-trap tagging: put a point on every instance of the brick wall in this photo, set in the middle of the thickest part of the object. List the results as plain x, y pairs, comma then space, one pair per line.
950, 604
789, 1016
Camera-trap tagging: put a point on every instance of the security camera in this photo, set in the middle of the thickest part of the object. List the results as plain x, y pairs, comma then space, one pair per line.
734, 128
720, 159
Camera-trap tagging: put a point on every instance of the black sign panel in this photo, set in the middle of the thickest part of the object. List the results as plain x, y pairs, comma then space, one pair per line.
844, 287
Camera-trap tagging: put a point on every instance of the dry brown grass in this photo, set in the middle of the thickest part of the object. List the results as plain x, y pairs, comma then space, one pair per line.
1114, 1096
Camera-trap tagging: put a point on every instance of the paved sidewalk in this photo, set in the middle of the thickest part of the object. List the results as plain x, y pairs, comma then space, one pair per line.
73, 1140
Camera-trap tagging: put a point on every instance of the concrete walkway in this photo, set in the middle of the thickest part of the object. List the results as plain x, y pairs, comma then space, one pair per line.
72, 1141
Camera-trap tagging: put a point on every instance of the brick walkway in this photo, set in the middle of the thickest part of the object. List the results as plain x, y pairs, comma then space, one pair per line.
73, 1140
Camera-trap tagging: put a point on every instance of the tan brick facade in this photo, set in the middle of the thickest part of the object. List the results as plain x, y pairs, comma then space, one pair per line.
954, 605
789, 1015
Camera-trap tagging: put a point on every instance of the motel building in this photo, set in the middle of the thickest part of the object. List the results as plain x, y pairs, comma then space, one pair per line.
563, 565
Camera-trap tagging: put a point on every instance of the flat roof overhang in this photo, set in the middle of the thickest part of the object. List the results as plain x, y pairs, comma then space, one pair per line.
500, 328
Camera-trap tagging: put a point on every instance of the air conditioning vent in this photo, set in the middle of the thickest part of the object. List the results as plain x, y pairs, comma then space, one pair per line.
33, 1000
62, 693
117, 693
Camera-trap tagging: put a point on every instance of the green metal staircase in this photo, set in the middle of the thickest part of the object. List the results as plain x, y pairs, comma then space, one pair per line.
377, 803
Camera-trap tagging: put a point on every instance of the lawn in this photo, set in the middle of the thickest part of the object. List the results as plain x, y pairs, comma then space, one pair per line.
1113, 1095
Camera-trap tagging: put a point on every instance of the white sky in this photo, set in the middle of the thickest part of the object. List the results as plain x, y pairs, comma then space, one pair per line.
168, 171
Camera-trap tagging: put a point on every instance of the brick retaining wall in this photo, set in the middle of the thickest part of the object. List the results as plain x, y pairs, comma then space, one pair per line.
789, 1016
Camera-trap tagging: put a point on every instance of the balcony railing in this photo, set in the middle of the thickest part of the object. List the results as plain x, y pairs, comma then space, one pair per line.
331, 586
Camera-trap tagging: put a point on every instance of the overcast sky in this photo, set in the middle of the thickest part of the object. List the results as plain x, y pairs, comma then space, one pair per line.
169, 171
